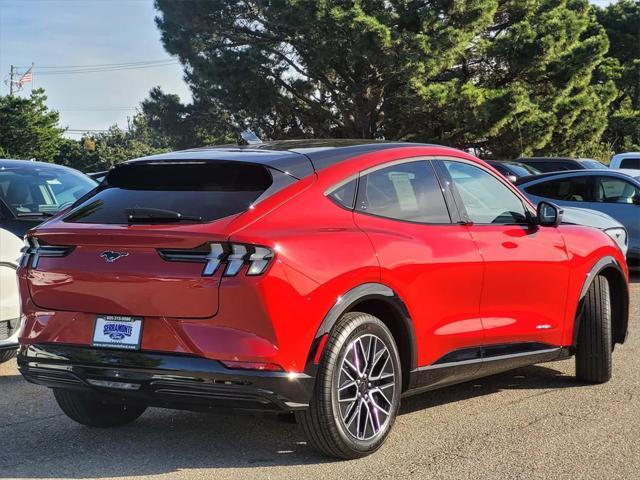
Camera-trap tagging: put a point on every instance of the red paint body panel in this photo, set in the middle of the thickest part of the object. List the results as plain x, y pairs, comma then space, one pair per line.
429, 265
463, 286
526, 274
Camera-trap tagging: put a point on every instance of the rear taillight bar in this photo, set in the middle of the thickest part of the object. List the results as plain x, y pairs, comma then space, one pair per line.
235, 256
35, 249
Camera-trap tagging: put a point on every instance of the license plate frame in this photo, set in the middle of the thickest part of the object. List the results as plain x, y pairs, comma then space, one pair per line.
121, 332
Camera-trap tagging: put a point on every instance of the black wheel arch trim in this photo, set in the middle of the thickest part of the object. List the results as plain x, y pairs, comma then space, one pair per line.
619, 300
371, 291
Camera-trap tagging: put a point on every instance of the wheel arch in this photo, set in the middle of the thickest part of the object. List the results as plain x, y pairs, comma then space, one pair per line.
382, 302
611, 270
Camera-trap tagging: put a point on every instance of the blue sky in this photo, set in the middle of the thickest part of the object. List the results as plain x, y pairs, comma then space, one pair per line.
80, 32
75, 32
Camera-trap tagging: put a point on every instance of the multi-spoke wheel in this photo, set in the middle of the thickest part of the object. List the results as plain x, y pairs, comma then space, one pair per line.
357, 391
366, 385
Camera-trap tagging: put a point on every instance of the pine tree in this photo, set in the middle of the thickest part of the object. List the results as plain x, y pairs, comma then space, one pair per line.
506, 77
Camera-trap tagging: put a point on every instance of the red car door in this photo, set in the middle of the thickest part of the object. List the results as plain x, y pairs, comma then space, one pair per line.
526, 270
430, 262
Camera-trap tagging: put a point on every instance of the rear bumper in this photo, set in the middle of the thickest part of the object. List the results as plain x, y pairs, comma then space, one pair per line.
161, 380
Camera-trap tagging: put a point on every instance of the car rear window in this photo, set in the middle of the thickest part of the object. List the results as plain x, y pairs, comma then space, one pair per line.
593, 164
551, 166
522, 170
201, 191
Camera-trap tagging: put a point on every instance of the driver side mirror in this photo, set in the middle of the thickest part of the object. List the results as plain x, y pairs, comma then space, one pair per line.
549, 215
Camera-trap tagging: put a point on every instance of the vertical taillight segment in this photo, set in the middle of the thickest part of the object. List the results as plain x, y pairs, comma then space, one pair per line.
34, 249
233, 256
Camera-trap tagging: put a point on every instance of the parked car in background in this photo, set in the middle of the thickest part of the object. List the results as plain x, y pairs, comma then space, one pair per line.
513, 170
556, 164
327, 278
30, 192
614, 192
630, 160
10, 246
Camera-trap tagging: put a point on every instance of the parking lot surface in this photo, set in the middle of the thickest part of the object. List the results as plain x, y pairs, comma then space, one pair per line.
535, 422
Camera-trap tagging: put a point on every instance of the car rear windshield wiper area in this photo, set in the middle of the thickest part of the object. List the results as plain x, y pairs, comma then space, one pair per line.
166, 192
156, 215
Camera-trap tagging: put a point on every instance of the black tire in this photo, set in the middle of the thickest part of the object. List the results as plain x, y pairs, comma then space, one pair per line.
323, 422
6, 355
89, 410
595, 345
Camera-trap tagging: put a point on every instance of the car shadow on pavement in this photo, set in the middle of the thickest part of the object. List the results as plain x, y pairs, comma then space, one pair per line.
535, 377
160, 442
167, 441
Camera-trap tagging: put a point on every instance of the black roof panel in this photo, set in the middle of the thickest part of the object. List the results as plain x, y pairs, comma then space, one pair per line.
299, 158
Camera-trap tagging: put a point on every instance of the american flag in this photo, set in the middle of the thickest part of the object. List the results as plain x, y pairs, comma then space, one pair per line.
26, 78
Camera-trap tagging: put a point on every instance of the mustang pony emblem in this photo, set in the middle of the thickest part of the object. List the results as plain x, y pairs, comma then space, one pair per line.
111, 256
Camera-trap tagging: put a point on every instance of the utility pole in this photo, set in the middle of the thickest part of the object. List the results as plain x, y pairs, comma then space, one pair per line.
11, 80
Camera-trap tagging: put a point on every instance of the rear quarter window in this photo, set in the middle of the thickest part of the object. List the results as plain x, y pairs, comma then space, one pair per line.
206, 191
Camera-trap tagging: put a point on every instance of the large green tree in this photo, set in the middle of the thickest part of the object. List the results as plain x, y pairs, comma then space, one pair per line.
506, 77
95, 152
28, 129
621, 21
168, 122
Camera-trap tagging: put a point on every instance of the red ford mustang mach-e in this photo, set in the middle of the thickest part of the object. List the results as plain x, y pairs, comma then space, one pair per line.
324, 278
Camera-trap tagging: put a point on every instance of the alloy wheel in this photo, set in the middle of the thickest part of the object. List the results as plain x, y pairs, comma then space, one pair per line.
366, 387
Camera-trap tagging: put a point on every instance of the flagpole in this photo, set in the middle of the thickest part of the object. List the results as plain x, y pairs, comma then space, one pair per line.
32, 77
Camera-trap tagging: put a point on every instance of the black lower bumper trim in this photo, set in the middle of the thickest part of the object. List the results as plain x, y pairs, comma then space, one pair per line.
163, 380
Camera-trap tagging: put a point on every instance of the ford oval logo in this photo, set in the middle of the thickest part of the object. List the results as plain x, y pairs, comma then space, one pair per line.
111, 256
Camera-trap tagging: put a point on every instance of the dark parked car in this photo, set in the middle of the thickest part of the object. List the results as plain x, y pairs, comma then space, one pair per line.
556, 164
614, 192
513, 170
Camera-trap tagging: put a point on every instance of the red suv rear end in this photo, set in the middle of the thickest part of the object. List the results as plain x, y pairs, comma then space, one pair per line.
327, 280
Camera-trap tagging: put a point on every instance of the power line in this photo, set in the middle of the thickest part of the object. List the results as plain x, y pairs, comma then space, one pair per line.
85, 130
142, 62
97, 109
102, 70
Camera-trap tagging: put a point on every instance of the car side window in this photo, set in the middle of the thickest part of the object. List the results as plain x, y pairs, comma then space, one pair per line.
408, 191
486, 199
571, 189
345, 194
615, 190
633, 163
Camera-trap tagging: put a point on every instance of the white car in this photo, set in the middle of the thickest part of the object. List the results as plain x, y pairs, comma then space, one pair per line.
630, 160
10, 246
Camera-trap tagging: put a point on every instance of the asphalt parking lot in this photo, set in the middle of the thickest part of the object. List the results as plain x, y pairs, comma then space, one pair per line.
536, 422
